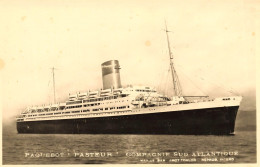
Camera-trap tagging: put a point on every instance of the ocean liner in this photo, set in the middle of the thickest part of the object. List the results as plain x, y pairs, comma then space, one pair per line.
132, 110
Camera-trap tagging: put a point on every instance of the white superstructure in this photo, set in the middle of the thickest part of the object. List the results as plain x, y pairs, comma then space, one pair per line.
122, 101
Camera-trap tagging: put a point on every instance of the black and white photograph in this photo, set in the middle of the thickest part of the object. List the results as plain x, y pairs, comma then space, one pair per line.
129, 82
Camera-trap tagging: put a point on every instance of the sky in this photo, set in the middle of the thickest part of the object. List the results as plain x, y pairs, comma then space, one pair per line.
213, 43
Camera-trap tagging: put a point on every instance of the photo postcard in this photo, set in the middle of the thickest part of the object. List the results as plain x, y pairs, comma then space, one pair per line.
128, 82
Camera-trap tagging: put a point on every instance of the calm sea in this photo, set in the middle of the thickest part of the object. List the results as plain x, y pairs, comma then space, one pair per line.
128, 149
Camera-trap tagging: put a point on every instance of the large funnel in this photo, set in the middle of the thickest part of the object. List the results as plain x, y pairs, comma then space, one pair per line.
111, 75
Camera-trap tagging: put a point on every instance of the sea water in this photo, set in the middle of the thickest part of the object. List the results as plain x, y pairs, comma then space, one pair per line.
128, 149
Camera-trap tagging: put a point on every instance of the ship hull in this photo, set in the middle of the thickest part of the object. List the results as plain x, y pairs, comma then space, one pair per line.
209, 121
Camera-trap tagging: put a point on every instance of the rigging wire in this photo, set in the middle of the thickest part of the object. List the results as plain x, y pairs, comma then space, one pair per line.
176, 83
215, 84
166, 84
193, 82
160, 83
220, 85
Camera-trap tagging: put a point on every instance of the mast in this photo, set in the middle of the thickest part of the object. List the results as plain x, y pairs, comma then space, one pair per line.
54, 97
176, 84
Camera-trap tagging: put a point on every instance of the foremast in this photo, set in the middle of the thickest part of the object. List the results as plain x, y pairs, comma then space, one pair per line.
176, 83
53, 82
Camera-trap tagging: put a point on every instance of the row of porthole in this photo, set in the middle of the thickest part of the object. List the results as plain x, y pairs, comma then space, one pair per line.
78, 106
226, 99
98, 114
94, 114
83, 115
71, 112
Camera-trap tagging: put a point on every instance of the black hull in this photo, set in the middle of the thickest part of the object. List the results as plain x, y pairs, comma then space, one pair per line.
212, 121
